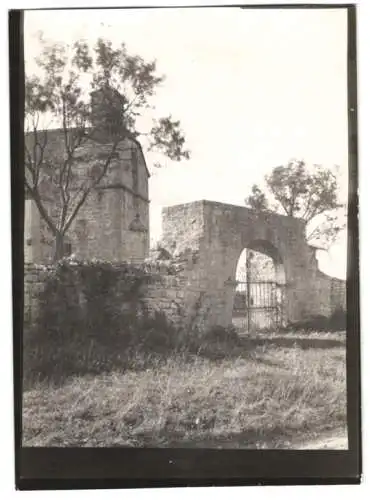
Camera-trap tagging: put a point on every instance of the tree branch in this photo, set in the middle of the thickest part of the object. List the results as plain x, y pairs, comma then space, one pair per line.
43, 212
90, 188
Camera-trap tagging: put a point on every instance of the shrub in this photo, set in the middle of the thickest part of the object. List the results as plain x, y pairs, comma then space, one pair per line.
337, 321
91, 319
215, 343
220, 334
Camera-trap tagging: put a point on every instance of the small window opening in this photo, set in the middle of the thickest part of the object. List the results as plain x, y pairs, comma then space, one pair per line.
67, 249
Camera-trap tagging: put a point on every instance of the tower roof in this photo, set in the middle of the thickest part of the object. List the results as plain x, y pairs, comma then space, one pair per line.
55, 139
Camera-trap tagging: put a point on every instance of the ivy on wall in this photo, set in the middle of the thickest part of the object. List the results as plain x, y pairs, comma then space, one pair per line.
91, 296
90, 314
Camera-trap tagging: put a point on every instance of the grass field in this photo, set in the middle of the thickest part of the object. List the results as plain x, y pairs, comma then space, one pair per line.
271, 392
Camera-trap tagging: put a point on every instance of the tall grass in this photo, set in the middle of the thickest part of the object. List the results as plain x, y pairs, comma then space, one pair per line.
259, 395
55, 354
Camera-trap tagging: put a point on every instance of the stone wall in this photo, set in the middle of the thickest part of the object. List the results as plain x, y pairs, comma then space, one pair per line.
163, 292
330, 293
338, 295
97, 317
211, 237
193, 281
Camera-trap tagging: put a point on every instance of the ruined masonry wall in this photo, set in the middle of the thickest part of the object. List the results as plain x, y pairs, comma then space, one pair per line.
165, 293
330, 294
209, 238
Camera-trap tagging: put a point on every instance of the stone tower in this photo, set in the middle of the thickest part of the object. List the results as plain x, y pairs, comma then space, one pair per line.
113, 224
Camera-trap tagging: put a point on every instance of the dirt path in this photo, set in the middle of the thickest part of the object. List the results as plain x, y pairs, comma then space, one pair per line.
332, 441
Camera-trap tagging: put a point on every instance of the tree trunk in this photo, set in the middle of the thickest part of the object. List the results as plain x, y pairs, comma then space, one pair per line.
59, 247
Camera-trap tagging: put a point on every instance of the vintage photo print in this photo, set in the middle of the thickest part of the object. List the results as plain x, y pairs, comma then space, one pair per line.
188, 180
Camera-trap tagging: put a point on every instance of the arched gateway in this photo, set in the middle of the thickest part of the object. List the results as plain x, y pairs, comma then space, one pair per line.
260, 295
209, 237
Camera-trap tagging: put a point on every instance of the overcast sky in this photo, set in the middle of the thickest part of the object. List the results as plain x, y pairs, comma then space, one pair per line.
252, 89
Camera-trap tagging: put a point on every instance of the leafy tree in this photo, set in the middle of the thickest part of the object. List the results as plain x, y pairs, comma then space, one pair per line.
257, 200
60, 96
310, 194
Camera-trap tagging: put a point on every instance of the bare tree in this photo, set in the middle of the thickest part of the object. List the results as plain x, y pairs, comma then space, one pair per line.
62, 170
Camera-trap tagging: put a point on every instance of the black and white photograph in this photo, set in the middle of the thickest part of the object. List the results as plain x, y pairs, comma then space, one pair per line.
185, 243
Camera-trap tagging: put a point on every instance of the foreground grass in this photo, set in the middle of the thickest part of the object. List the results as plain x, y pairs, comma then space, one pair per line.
269, 394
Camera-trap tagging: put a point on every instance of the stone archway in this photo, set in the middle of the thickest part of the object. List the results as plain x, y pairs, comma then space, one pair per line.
259, 301
208, 237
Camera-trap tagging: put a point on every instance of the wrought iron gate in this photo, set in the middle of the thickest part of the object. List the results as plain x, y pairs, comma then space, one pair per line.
258, 304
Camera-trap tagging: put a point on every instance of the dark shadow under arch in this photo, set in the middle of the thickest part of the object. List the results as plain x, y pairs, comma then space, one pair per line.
266, 247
